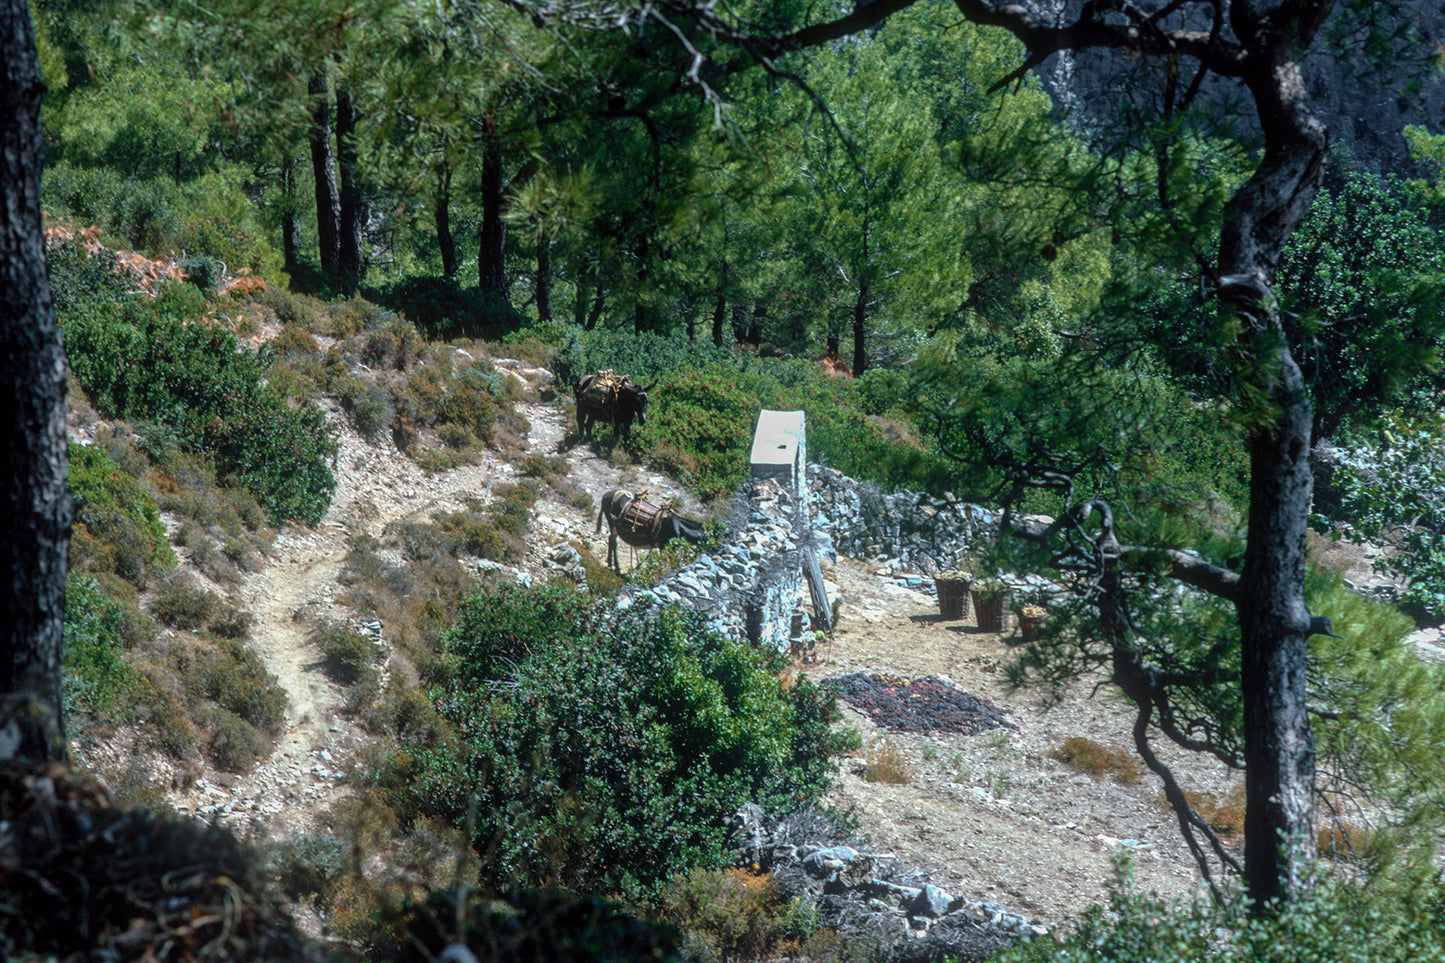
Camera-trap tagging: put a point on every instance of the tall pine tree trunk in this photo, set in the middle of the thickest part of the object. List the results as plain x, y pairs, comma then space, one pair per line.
290, 226
491, 259
323, 167
351, 209
445, 242
35, 535
719, 315
860, 329
544, 278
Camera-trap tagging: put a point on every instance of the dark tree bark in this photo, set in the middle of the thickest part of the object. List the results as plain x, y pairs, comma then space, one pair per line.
599, 299
445, 242
351, 208
719, 314
491, 258
860, 328
1274, 620
544, 278
35, 535
323, 168
290, 227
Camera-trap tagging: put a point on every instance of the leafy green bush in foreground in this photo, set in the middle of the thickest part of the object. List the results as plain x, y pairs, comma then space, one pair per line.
599, 749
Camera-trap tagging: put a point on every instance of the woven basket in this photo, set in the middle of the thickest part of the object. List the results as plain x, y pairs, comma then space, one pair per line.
991, 610
952, 598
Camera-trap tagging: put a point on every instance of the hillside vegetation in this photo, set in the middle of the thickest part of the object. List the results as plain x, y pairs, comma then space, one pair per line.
263, 229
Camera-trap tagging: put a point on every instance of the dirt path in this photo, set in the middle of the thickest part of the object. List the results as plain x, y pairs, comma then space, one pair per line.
287, 793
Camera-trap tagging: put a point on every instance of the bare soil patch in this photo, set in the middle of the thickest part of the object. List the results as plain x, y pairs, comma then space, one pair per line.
993, 814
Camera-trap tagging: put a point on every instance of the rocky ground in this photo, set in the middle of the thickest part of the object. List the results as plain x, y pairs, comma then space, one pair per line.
988, 815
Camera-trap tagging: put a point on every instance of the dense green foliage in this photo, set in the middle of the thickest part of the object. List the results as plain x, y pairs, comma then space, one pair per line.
705, 404
1341, 923
136, 359
1363, 280
117, 526
1393, 490
602, 748
96, 674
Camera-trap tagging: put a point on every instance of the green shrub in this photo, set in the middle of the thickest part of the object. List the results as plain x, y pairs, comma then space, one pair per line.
712, 418
1341, 921
79, 278
531, 924
114, 510
195, 381
239, 682
703, 410
309, 865
445, 310
394, 345
292, 310
97, 677
615, 744
182, 606
233, 744
367, 404
209, 215
348, 657
165, 722
734, 915
181, 300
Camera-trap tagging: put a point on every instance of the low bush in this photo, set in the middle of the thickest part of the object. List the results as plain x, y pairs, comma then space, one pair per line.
600, 748
703, 411
232, 744
211, 397
235, 678
1224, 815
348, 657
309, 865
735, 915
97, 677
444, 310
117, 526
180, 605
1097, 760
1340, 920
367, 405
209, 216
529, 924
884, 763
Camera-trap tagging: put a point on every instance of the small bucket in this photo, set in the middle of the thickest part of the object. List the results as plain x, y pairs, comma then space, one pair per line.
952, 598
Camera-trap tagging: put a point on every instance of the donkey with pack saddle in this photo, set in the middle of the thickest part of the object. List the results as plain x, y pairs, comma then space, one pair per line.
610, 398
641, 524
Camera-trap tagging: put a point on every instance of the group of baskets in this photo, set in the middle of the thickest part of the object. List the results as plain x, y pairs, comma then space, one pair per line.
990, 604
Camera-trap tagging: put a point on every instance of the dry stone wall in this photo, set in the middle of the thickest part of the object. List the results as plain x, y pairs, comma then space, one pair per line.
902, 530
752, 587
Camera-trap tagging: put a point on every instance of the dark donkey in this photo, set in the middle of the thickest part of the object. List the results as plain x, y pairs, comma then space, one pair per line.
613, 399
641, 524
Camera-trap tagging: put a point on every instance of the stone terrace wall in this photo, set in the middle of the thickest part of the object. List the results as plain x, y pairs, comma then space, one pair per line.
748, 587
752, 588
903, 530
